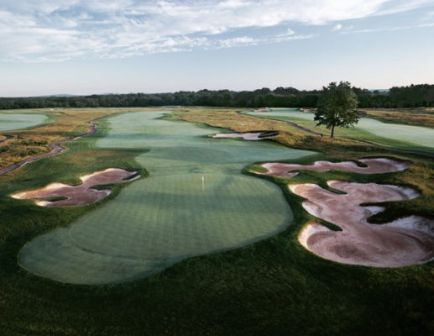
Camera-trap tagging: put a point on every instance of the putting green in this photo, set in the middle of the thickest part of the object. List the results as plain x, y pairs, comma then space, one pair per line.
14, 121
195, 201
416, 135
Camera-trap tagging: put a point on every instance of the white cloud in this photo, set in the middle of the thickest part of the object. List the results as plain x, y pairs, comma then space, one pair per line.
393, 7
389, 29
337, 27
238, 41
243, 41
41, 30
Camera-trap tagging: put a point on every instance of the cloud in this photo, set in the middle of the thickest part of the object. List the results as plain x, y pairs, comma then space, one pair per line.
56, 30
393, 7
243, 41
389, 29
337, 27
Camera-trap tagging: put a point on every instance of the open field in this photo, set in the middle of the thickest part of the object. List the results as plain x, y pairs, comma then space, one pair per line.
196, 201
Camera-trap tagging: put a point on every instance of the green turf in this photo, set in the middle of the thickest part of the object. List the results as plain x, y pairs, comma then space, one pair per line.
14, 121
419, 136
194, 202
272, 287
366, 128
283, 114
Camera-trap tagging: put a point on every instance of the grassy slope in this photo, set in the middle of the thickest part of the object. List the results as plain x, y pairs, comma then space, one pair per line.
274, 287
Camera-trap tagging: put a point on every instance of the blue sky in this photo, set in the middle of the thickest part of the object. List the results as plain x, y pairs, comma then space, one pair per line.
90, 46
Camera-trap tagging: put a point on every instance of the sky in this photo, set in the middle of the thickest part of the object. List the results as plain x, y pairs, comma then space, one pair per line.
121, 46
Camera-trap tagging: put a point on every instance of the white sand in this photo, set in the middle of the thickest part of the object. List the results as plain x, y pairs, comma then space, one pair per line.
251, 136
373, 166
406, 241
82, 194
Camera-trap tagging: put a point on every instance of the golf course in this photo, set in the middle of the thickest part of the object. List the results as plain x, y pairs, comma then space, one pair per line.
217, 168
194, 202
159, 213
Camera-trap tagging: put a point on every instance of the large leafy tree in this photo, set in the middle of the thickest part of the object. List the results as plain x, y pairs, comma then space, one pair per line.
337, 107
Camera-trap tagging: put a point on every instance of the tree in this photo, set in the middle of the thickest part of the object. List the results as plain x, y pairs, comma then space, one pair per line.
421, 95
337, 107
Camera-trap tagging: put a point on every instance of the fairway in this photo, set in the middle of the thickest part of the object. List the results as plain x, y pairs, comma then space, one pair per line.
416, 135
283, 114
15, 121
420, 136
195, 201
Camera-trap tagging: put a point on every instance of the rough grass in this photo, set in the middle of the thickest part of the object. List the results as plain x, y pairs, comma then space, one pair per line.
416, 117
274, 287
63, 124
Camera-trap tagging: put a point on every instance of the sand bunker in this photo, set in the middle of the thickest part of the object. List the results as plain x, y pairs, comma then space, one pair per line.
59, 194
252, 136
406, 241
370, 166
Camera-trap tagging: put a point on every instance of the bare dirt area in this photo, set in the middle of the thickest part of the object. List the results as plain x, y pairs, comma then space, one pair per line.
365, 166
59, 194
406, 241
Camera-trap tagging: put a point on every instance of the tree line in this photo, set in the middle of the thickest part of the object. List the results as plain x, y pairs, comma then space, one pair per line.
406, 96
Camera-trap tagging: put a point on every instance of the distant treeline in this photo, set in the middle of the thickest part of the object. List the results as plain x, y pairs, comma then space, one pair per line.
407, 96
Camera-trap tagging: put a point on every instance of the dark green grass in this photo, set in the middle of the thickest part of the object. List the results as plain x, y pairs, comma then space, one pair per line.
274, 287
